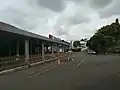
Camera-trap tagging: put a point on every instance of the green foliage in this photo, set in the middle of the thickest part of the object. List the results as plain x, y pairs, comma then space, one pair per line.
76, 44
106, 37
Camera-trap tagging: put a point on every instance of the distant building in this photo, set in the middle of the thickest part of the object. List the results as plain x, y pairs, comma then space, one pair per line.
83, 44
71, 44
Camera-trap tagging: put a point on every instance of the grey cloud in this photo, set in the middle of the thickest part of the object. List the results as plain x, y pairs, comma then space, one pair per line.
61, 32
54, 5
17, 18
78, 19
99, 3
68, 22
25, 17
33, 16
113, 10
76, 1
60, 28
14, 17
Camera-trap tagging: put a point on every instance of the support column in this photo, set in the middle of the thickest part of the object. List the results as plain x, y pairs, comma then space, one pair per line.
47, 49
31, 47
68, 48
52, 48
17, 50
43, 50
10, 50
65, 48
58, 49
27, 50
62, 48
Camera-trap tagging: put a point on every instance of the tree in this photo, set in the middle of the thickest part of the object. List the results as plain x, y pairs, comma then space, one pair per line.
85, 39
76, 44
117, 20
97, 43
106, 37
100, 43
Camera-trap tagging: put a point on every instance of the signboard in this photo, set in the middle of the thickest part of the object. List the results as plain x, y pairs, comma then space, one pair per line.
50, 36
54, 38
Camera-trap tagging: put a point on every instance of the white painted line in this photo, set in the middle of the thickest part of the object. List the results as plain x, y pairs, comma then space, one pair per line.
80, 63
41, 72
12, 70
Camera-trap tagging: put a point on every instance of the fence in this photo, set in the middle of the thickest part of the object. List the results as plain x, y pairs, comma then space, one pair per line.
12, 62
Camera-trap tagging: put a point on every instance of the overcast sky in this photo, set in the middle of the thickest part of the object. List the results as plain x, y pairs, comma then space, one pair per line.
67, 19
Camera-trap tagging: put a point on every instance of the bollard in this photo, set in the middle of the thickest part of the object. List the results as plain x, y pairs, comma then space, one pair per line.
68, 58
73, 58
28, 63
58, 62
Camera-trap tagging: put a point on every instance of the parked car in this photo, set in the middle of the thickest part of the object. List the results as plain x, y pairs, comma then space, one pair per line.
91, 51
117, 50
69, 51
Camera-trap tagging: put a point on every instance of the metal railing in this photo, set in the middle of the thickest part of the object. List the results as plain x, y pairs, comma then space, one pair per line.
11, 62
14, 61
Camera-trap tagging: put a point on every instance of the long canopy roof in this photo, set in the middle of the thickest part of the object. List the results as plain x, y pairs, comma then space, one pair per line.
9, 28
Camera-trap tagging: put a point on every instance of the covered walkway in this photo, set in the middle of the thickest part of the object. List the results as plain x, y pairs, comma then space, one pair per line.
17, 47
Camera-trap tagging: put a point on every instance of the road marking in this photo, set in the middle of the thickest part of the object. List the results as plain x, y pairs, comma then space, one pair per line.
79, 64
41, 72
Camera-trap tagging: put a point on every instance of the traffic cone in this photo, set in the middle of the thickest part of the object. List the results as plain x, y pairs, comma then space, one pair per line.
73, 58
68, 58
58, 62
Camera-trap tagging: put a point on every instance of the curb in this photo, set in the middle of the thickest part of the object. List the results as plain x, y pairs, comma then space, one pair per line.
12, 70
26, 66
83, 49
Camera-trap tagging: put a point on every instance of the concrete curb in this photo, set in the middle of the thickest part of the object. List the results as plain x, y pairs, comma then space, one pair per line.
26, 66
13, 70
83, 49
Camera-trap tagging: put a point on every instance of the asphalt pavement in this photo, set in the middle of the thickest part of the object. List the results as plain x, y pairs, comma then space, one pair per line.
87, 72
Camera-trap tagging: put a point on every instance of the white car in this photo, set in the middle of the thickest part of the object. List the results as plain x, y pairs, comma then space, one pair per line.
69, 51
91, 52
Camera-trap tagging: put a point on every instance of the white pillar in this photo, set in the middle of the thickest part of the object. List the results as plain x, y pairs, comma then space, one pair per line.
58, 49
26, 50
31, 47
52, 48
17, 48
10, 50
62, 48
43, 52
